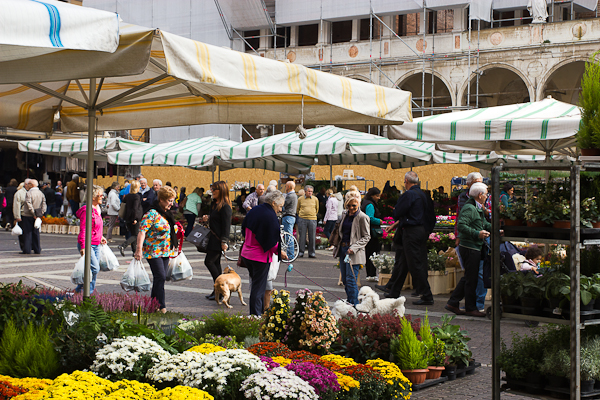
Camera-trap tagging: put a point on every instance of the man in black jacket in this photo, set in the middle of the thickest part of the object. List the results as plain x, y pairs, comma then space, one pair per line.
411, 214
50, 198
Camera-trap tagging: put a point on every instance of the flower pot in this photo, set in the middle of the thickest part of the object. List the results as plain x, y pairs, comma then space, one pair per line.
539, 224
558, 381
597, 384
596, 225
450, 372
588, 307
434, 372
437, 282
415, 376
563, 224
590, 152
597, 305
587, 386
387, 247
513, 222
384, 278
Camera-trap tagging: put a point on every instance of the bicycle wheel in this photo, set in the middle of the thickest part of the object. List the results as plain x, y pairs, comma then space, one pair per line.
289, 241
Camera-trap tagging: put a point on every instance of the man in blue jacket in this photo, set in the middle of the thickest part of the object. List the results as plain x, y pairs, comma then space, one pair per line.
410, 212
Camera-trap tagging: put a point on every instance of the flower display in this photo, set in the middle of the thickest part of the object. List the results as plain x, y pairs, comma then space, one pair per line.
304, 356
171, 369
282, 361
125, 302
387, 221
445, 221
127, 389
383, 262
206, 348
188, 325
589, 212
341, 361
372, 383
221, 373
8, 391
240, 185
269, 363
320, 378
398, 387
269, 349
182, 393
311, 326
278, 383
227, 342
441, 241
128, 358
346, 382
274, 319
54, 220
31, 385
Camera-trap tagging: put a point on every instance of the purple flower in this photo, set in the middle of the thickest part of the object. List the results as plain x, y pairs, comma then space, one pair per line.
269, 363
319, 377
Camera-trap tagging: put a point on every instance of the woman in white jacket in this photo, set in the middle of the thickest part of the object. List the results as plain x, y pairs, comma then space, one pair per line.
114, 205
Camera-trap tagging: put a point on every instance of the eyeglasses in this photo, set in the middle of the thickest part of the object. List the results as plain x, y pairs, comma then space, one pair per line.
352, 205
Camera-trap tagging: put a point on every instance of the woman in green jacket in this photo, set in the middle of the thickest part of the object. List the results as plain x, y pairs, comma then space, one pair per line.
473, 228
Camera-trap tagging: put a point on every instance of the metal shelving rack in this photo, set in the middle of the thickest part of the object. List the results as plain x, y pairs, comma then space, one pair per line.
575, 319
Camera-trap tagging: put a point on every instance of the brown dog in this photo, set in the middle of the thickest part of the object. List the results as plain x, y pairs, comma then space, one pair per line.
229, 281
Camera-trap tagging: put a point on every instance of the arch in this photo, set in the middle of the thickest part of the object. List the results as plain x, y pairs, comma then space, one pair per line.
508, 86
359, 77
563, 81
442, 95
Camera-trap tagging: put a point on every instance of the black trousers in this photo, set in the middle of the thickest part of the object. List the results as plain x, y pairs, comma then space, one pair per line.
159, 266
413, 259
372, 247
467, 286
213, 263
191, 219
259, 272
31, 236
132, 240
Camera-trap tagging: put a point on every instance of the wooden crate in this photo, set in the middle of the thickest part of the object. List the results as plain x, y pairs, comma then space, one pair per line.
44, 228
454, 275
438, 282
73, 230
63, 229
385, 278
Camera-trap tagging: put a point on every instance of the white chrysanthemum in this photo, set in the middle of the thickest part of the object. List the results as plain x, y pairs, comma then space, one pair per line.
172, 368
279, 383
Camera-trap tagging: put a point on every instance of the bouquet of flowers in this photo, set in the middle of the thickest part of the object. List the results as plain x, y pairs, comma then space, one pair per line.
170, 370
383, 263
278, 383
128, 358
398, 387
311, 326
221, 373
274, 319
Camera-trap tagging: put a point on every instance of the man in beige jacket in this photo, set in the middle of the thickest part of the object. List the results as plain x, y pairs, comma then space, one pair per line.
35, 207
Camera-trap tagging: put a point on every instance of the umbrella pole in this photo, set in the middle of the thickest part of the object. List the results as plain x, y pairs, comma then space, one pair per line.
90, 190
330, 173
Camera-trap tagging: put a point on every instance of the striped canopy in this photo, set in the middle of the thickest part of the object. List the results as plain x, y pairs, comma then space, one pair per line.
487, 161
545, 126
33, 28
76, 148
157, 79
332, 145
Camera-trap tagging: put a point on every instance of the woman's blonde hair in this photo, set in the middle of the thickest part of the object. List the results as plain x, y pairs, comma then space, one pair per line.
134, 187
328, 193
350, 200
165, 193
98, 190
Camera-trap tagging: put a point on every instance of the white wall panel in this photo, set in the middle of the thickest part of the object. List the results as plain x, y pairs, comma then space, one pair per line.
164, 135
247, 14
400, 7
345, 9
293, 12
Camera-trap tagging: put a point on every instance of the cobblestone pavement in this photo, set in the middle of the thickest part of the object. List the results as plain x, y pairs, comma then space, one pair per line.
59, 253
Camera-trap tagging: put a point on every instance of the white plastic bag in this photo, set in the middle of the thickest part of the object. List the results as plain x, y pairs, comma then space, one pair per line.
273, 268
16, 231
77, 275
108, 261
179, 269
136, 278
38, 223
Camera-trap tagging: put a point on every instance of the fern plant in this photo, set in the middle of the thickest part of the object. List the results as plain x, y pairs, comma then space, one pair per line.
408, 351
28, 352
588, 136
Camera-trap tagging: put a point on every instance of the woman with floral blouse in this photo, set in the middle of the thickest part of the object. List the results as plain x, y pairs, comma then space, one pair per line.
157, 241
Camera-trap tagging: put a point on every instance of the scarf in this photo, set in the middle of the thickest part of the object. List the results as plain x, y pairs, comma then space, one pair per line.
263, 222
169, 217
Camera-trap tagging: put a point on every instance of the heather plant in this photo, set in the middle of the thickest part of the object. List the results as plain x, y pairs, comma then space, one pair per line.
27, 352
364, 337
125, 302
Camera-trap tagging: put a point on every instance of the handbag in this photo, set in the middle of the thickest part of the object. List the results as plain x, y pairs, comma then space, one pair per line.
199, 237
122, 211
240, 260
377, 233
334, 237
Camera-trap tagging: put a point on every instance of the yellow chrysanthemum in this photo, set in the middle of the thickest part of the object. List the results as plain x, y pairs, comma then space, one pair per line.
282, 361
339, 360
206, 348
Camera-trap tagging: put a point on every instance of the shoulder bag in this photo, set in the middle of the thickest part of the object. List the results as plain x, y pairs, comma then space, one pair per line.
334, 237
122, 211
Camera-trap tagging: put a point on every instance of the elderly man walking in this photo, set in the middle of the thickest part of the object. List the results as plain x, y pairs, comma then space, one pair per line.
308, 209
252, 199
35, 207
288, 218
18, 204
411, 213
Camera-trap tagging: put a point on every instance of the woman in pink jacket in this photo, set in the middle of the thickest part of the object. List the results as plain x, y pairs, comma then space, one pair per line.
97, 238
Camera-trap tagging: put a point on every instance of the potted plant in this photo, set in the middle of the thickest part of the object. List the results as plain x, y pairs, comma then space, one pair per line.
590, 215
385, 266
539, 212
556, 365
511, 288
436, 264
562, 215
557, 288
410, 354
455, 340
588, 366
533, 293
514, 214
434, 348
588, 136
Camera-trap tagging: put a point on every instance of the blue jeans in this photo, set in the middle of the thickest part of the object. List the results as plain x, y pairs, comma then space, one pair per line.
481, 291
329, 225
74, 206
349, 278
51, 209
288, 226
94, 267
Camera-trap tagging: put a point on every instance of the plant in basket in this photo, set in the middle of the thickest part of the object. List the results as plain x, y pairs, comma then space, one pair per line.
589, 212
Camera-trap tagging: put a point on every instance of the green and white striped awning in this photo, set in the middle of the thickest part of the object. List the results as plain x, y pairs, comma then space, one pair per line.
546, 126
486, 161
76, 148
332, 145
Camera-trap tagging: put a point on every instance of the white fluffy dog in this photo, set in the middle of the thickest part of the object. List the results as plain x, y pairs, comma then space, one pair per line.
341, 308
372, 304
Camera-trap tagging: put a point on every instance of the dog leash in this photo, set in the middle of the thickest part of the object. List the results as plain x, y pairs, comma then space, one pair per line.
289, 270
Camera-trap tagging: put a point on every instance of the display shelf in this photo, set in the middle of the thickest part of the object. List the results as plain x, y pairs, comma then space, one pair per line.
548, 320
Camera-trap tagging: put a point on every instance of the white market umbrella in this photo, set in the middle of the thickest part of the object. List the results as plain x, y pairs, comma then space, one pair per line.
545, 126
487, 161
33, 28
75, 148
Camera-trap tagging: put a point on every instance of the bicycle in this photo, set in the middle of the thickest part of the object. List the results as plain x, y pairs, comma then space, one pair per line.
287, 240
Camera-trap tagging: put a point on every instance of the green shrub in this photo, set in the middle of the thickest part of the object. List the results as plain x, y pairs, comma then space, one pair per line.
588, 136
224, 324
408, 351
27, 352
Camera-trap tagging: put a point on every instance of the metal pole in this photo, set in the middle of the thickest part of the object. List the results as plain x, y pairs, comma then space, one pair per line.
495, 235
477, 89
330, 172
424, 27
469, 63
575, 322
89, 181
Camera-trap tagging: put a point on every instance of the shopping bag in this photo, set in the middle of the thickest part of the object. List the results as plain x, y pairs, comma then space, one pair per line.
38, 223
16, 231
77, 274
179, 269
199, 237
136, 278
273, 268
108, 261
